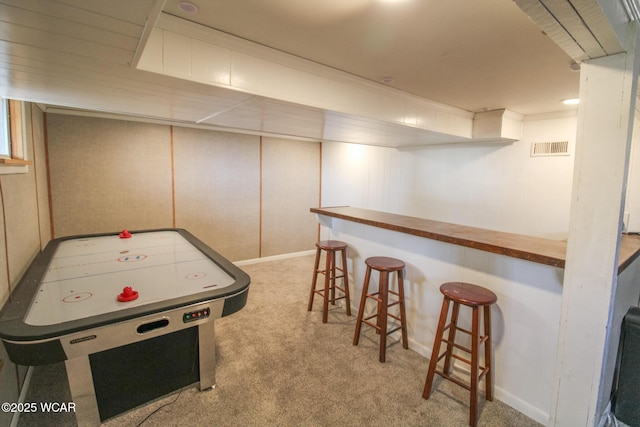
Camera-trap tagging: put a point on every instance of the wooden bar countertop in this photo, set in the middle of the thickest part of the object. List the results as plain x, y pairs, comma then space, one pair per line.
534, 249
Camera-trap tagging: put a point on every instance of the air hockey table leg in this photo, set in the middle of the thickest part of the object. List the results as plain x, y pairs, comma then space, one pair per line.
207, 355
83, 393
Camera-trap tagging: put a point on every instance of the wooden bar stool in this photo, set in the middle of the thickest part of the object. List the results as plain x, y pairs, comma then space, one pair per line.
328, 291
475, 297
385, 266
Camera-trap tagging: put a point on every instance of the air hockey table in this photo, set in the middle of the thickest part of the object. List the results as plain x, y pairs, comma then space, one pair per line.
131, 314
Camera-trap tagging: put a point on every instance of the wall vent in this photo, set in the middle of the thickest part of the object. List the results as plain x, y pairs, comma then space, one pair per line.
555, 148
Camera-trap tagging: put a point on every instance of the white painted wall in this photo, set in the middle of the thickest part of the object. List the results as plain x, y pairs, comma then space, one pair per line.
632, 205
490, 186
497, 187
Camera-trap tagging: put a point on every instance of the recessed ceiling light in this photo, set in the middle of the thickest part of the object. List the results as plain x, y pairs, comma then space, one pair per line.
187, 7
571, 101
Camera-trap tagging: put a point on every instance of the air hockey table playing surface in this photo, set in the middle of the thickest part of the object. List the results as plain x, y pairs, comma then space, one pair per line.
71, 305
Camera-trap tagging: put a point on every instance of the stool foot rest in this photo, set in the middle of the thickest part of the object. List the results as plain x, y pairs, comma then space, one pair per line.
460, 382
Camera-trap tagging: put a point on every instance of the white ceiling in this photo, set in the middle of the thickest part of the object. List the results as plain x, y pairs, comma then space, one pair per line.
475, 55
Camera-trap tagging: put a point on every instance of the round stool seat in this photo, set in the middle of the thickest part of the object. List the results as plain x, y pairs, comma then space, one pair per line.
331, 245
468, 294
383, 263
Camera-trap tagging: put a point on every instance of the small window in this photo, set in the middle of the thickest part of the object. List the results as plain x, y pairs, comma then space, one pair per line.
12, 140
5, 137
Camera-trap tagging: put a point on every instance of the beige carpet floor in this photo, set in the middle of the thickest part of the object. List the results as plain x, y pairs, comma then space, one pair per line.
279, 365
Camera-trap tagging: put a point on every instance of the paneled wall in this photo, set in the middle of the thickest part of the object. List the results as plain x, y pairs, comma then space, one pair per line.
107, 175
290, 177
217, 182
246, 196
24, 213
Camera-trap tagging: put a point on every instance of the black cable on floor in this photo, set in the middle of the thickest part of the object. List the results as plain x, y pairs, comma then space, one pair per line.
163, 406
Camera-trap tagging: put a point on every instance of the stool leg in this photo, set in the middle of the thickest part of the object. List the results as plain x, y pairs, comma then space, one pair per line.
475, 339
487, 353
379, 306
403, 313
451, 338
363, 299
382, 313
435, 352
345, 281
330, 264
314, 280
332, 279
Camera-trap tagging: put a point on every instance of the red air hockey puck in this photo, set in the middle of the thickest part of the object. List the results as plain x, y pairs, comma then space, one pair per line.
128, 294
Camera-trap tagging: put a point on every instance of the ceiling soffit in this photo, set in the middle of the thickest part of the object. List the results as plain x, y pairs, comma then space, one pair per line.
182, 49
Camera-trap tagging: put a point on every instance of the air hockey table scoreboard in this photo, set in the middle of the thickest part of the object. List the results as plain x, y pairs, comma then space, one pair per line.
131, 314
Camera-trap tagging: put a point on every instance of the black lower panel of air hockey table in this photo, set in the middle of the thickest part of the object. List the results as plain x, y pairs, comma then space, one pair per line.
132, 375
